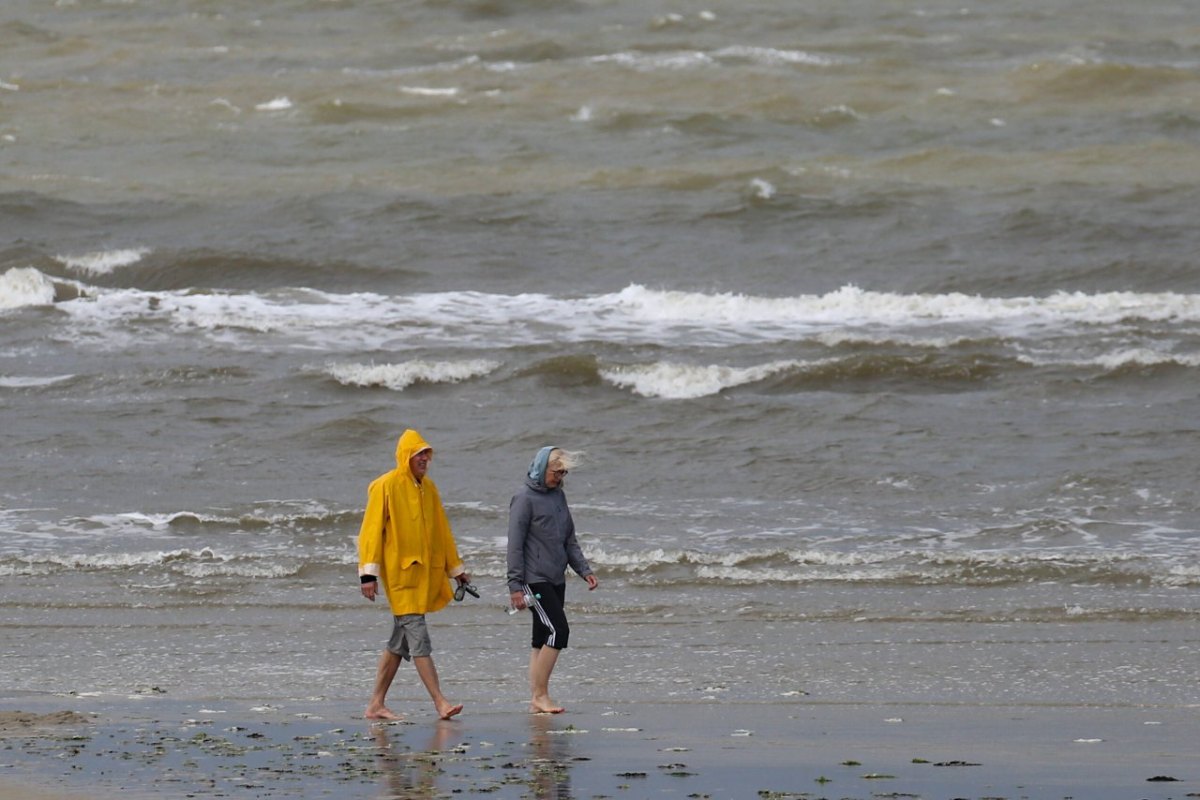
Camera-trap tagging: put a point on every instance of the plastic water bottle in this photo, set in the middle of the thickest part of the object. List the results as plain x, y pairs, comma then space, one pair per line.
529, 598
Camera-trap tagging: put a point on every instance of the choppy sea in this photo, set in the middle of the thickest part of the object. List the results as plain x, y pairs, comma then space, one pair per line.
879, 324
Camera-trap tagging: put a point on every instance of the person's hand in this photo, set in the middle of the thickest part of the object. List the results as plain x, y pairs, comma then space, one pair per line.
592, 582
463, 578
369, 590
518, 600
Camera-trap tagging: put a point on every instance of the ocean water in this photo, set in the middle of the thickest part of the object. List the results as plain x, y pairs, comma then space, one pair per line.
879, 323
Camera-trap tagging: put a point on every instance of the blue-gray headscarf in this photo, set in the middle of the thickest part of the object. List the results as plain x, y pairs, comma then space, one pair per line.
537, 467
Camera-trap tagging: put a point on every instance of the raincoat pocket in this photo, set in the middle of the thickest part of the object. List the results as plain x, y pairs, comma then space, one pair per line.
410, 573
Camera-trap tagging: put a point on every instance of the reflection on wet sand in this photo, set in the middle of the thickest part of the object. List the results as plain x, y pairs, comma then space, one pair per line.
409, 771
411, 775
550, 762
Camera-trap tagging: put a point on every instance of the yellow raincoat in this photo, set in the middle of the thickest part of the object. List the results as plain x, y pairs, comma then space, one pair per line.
405, 539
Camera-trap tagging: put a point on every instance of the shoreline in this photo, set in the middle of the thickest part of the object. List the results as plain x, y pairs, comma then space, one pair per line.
693, 750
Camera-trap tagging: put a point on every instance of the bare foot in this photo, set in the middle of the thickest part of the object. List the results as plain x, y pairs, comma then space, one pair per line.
447, 711
383, 712
546, 706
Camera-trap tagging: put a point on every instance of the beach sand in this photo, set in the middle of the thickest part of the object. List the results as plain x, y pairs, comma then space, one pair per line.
12, 790
696, 750
18, 725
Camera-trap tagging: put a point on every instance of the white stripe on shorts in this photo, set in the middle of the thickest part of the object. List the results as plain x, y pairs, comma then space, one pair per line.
541, 612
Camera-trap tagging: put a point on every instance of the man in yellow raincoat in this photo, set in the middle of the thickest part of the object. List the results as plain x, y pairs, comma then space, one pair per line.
405, 543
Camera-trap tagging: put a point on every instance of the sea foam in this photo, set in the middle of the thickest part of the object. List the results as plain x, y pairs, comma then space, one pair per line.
686, 381
634, 315
276, 104
430, 91
853, 305
400, 376
25, 286
31, 381
771, 56
103, 262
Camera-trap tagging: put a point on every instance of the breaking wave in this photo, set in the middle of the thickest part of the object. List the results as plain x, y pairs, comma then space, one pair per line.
103, 262
634, 314
398, 377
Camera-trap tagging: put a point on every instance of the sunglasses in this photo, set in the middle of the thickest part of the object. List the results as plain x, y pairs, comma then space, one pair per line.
462, 589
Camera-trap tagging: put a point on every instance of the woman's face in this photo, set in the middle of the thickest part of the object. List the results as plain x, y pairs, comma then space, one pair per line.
554, 474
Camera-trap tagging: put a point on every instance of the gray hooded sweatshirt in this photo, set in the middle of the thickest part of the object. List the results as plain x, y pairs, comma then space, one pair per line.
541, 533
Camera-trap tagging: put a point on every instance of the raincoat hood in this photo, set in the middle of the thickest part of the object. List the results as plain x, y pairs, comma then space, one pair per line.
537, 467
409, 445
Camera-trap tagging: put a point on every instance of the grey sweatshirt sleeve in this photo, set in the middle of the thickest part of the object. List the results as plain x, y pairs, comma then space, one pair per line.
575, 556
519, 514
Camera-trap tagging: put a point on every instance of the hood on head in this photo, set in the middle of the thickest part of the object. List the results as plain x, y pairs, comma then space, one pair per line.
409, 445
537, 467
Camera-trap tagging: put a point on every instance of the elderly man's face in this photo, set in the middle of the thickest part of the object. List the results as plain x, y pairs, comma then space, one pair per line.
419, 463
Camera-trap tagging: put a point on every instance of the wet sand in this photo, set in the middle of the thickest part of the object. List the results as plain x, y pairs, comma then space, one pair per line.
697, 750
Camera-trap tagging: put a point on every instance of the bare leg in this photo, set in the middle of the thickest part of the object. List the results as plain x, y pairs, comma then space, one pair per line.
541, 664
385, 673
429, 677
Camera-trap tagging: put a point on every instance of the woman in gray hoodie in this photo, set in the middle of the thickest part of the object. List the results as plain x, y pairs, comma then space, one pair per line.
541, 545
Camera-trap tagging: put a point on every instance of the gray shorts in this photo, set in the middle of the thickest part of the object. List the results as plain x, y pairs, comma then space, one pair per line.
410, 637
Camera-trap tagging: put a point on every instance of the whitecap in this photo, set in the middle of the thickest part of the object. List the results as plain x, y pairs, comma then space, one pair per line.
1145, 357
238, 569
105, 261
647, 62
400, 376
759, 575
633, 315
429, 91
25, 286
853, 305
277, 104
666, 20
771, 56
31, 382
158, 521
129, 560
687, 381
762, 189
